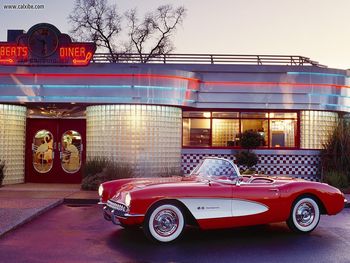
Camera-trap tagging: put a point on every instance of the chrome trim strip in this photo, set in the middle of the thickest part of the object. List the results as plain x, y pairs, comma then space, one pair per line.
133, 215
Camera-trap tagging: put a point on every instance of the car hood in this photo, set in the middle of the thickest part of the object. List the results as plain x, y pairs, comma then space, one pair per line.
141, 183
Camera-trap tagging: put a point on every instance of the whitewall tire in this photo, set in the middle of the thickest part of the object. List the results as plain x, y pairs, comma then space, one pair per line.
164, 223
304, 216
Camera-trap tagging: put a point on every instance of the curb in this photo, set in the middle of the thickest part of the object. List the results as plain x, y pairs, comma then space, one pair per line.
33, 216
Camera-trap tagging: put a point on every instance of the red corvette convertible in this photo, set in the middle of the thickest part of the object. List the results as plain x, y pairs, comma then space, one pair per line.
215, 196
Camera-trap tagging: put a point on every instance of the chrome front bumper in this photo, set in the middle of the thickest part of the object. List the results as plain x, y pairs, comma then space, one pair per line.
113, 211
109, 215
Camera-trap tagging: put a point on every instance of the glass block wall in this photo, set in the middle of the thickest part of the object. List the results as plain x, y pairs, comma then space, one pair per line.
145, 136
315, 127
12, 142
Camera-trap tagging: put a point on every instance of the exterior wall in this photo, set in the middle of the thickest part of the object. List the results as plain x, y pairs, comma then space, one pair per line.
98, 84
144, 136
192, 85
12, 142
264, 90
296, 163
271, 87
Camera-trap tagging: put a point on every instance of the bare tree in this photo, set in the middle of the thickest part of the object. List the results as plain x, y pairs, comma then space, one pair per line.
153, 34
97, 21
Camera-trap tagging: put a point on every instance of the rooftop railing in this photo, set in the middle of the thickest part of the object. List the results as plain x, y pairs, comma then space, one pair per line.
205, 59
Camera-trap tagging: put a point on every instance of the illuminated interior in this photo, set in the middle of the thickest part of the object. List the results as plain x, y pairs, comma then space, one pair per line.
223, 129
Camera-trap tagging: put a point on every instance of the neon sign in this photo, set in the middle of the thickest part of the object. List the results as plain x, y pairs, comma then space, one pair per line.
78, 54
44, 44
10, 53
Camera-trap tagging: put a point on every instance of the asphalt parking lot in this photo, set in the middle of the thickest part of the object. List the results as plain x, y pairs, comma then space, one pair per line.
80, 234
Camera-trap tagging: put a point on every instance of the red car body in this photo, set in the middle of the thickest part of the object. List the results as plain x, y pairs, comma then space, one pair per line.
219, 199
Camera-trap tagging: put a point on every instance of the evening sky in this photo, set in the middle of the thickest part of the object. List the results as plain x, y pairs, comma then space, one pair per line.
318, 29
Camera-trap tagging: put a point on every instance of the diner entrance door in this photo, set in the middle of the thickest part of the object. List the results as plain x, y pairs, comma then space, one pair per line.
55, 150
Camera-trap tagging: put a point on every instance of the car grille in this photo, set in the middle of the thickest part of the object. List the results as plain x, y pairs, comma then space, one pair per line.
119, 209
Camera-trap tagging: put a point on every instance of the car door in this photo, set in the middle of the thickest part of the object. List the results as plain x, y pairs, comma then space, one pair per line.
255, 203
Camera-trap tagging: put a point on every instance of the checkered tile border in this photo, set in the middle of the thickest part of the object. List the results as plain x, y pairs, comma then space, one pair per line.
300, 166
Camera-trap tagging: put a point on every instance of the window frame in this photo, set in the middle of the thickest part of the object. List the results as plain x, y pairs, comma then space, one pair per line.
240, 118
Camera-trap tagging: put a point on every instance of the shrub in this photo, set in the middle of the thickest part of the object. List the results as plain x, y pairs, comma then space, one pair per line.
335, 156
100, 170
94, 166
248, 159
336, 179
2, 171
251, 139
249, 171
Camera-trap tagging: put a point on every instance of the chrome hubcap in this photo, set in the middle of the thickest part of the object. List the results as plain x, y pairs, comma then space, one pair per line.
165, 222
305, 214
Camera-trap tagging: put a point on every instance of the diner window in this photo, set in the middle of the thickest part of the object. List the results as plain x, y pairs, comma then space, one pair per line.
254, 115
225, 132
279, 129
257, 125
282, 133
196, 132
225, 115
283, 115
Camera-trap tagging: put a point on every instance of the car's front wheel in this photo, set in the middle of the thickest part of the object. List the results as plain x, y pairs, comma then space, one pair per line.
305, 215
164, 223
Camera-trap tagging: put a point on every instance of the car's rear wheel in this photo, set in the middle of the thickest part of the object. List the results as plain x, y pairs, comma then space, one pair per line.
164, 223
305, 215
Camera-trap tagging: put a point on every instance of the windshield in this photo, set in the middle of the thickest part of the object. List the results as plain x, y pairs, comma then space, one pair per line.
215, 169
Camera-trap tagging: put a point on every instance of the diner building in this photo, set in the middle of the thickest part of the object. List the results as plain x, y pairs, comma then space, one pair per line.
62, 104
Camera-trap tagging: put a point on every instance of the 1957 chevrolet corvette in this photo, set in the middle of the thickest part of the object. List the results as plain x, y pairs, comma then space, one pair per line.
215, 196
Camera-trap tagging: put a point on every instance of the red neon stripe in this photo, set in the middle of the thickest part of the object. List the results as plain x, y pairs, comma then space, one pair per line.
85, 75
272, 83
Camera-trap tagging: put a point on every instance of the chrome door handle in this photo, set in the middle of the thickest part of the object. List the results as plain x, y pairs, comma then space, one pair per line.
273, 190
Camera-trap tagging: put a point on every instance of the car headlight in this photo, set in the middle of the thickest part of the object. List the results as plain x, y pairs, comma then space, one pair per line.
127, 199
100, 190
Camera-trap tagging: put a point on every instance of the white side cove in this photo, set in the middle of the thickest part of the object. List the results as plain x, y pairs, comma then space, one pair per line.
247, 208
206, 208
